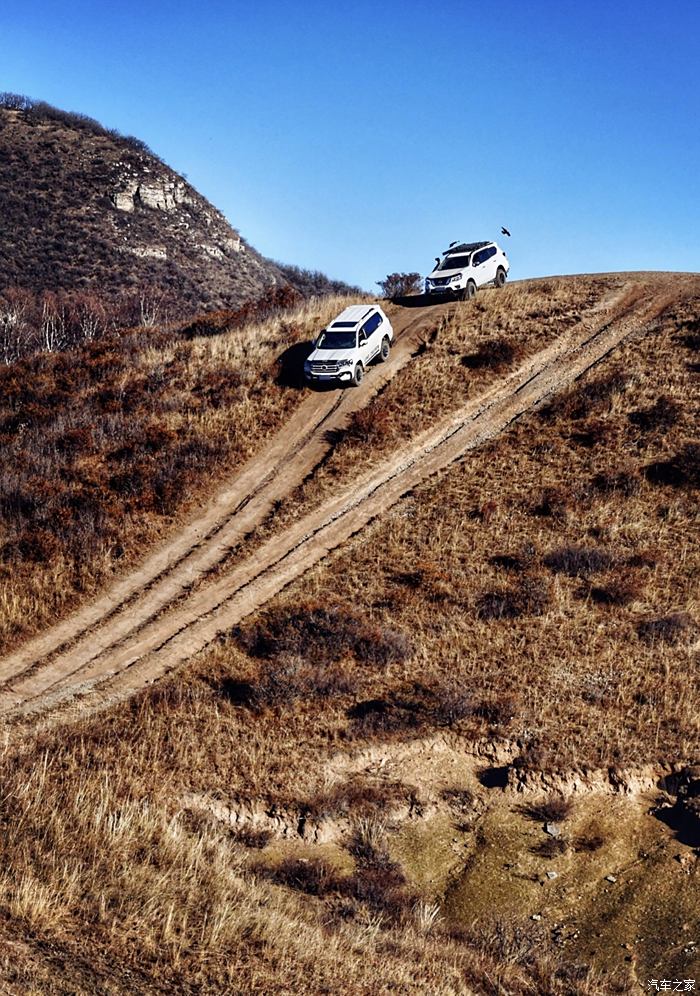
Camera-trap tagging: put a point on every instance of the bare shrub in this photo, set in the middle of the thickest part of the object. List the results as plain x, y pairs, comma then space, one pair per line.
594, 432
429, 578
553, 503
400, 285
578, 561
515, 562
378, 881
273, 301
365, 801
327, 633
581, 400
555, 809
619, 590
530, 597
313, 283
669, 629
15, 101
494, 354
660, 417
451, 703
313, 876
498, 710
284, 682
461, 800
588, 842
551, 847
508, 941
622, 482
643, 558
691, 340
371, 424
251, 837
681, 471
382, 717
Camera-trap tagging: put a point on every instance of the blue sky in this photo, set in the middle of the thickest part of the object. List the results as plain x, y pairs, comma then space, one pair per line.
362, 138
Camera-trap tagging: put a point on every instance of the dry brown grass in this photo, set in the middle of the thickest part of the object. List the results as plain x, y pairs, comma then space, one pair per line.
95, 841
94, 850
481, 342
106, 447
555, 581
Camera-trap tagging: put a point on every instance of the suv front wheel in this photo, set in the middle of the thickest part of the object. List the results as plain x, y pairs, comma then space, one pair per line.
358, 375
469, 291
500, 277
384, 351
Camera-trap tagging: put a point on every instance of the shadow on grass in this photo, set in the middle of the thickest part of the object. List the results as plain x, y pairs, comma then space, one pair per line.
290, 370
421, 300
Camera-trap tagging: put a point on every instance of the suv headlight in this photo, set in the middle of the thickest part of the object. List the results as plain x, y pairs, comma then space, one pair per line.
344, 363
428, 282
457, 276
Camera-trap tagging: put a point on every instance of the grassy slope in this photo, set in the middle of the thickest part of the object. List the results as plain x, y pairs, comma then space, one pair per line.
96, 842
107, 446
58, 177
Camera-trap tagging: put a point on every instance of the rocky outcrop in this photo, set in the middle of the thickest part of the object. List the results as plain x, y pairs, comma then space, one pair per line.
85, 209
158, 194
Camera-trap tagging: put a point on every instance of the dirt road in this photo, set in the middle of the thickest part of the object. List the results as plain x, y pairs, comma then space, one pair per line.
149, 623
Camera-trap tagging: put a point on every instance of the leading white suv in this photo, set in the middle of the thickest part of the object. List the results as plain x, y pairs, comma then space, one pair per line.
466, 266
351, 341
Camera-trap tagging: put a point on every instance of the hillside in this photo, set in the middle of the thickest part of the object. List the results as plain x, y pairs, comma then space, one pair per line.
384, 690
88, 210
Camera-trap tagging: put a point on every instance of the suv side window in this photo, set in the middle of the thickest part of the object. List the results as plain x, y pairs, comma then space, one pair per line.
488, 253
372, 323
478, 257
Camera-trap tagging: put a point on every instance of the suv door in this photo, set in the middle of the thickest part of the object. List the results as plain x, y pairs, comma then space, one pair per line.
489, 264
370, 338
476, 271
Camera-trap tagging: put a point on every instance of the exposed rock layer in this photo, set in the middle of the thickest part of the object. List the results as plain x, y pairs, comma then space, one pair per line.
85, 209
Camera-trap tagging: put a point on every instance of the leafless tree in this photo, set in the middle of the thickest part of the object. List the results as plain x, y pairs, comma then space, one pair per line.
14, 330
89, 317
54, 329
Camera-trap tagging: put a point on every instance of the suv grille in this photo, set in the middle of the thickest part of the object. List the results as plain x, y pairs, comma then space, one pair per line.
330, 367
441, 281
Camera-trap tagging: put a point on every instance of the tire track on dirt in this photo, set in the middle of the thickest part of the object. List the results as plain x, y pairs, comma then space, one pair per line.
269, 476
172, 638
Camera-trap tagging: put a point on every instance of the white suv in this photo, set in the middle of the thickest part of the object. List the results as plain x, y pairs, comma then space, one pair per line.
466, 266
351, 341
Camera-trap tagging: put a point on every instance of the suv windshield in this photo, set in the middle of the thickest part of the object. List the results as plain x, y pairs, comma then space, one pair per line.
454, 262
337, 340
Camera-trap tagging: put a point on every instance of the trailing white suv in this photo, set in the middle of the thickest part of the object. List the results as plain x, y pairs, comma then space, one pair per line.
466, 266
351, 341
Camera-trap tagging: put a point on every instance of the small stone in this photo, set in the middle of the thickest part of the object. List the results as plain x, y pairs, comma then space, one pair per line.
536, 916
552, 829
552, 874
610, 878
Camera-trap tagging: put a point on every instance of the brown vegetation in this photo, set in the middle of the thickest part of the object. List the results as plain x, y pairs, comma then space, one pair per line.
458, 615
104, 443
397, 285
61, 175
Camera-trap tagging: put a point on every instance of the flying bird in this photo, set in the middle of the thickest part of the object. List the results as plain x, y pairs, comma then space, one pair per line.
504, 231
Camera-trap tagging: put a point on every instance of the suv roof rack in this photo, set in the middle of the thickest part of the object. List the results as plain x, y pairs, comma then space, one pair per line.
465, 247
